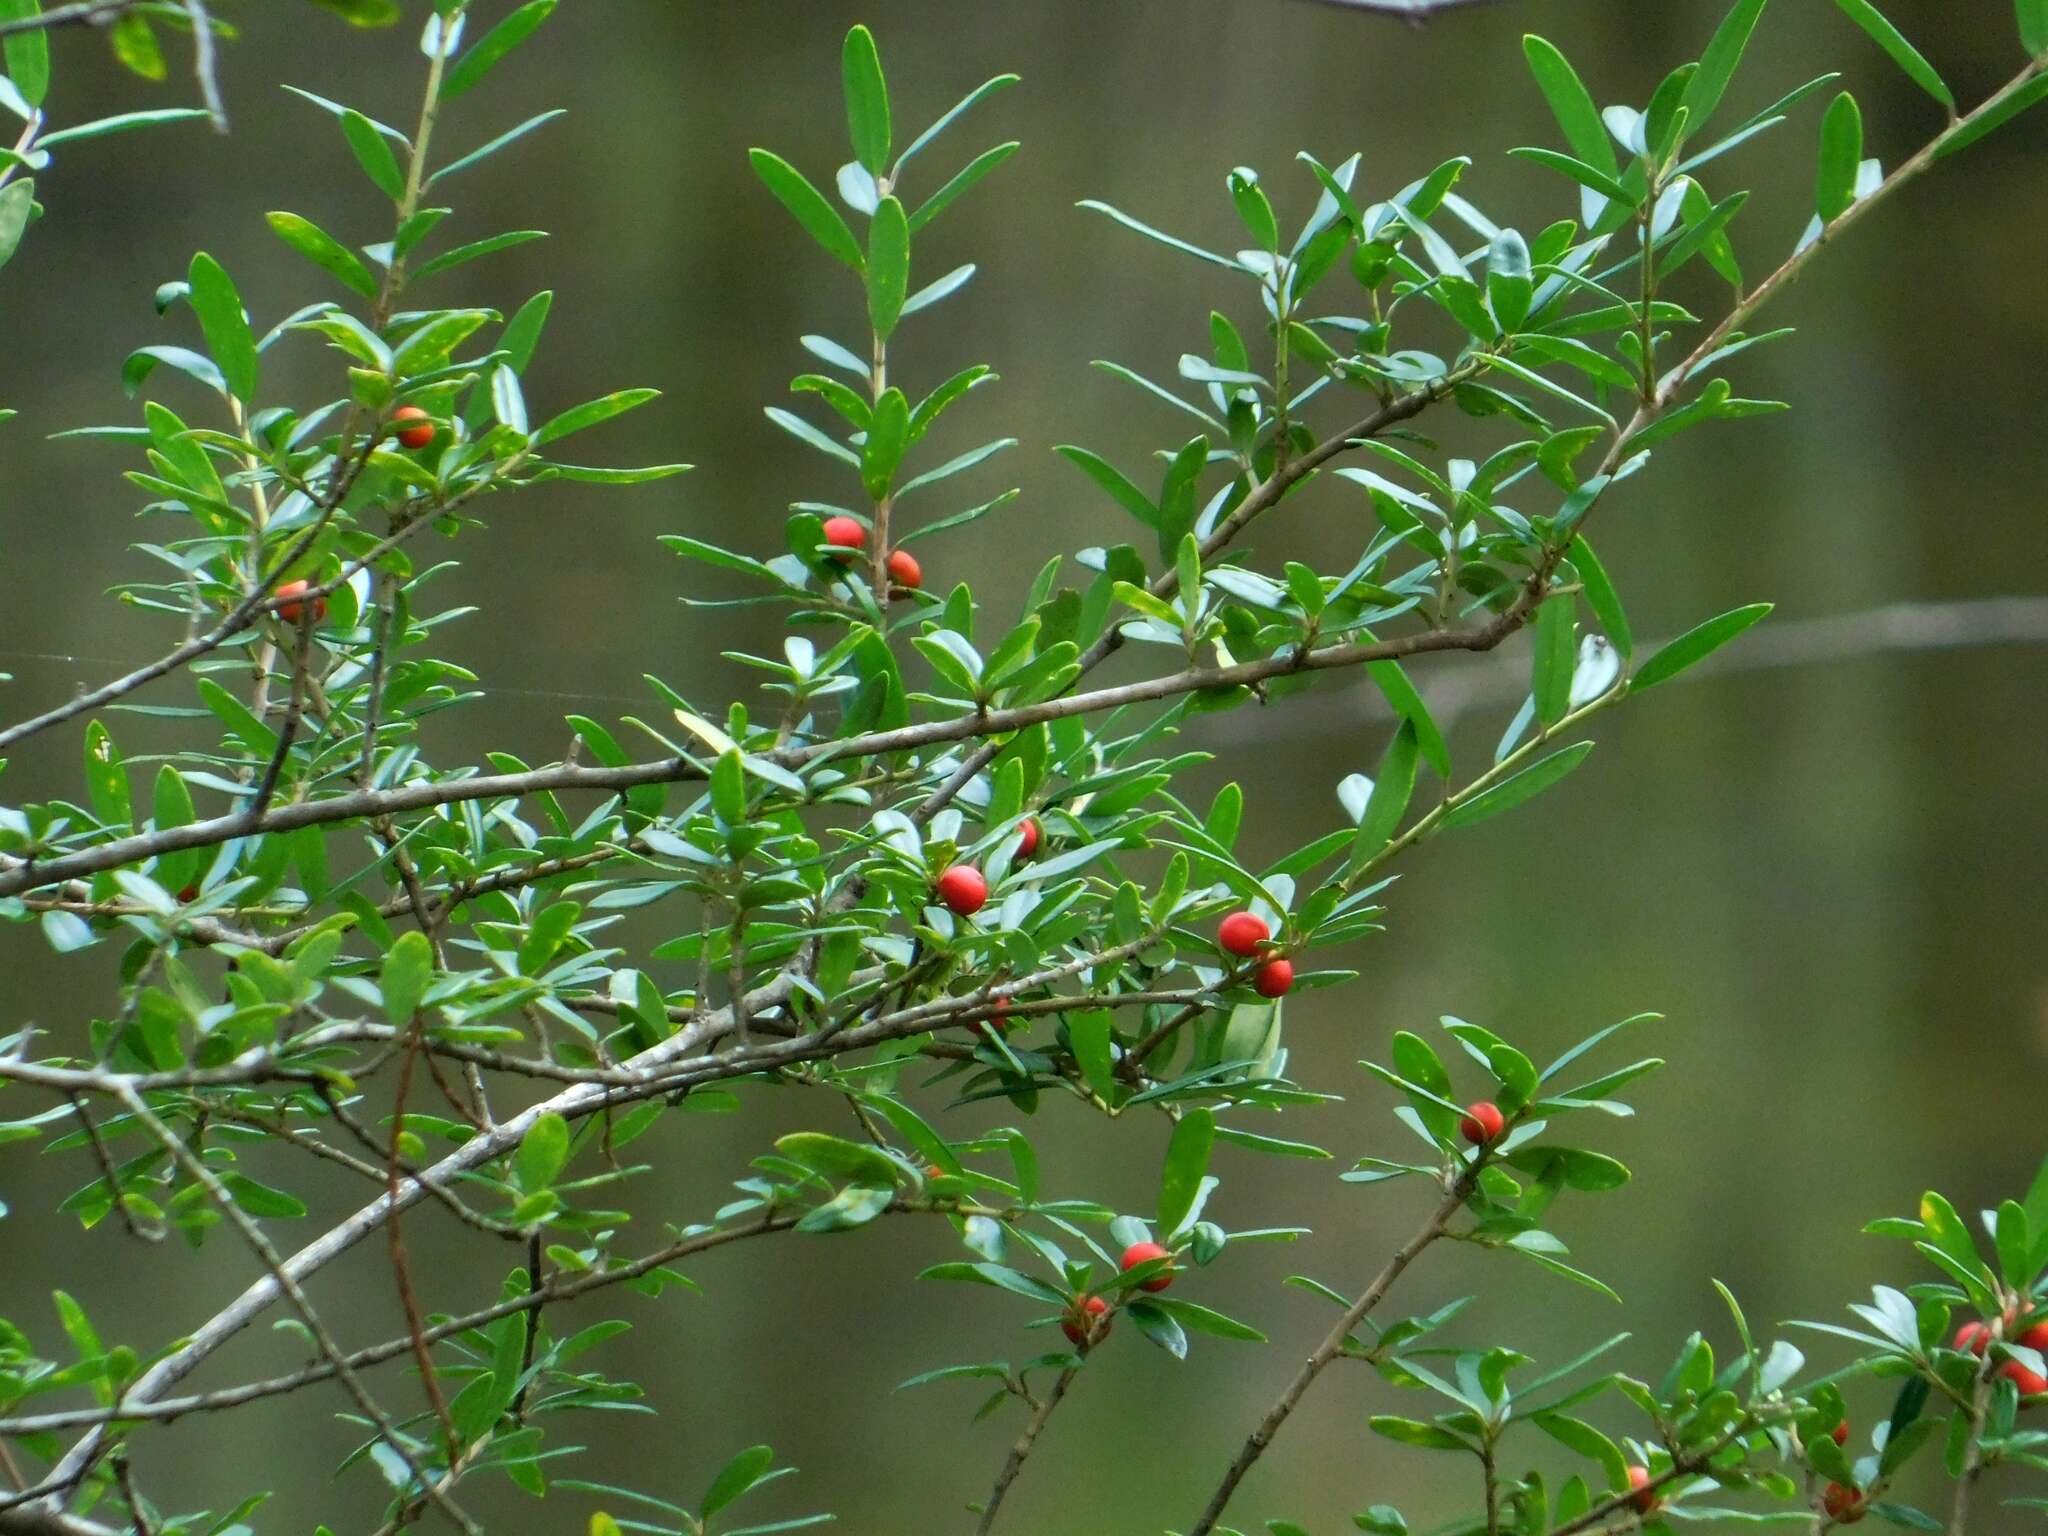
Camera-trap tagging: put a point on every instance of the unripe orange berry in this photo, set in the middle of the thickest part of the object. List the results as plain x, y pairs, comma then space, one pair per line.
420, 434
1145, 1253
1482, 1123
904, 570
964, 889
1241, 933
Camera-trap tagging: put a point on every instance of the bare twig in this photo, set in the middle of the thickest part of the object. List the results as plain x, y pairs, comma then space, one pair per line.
1332, 1346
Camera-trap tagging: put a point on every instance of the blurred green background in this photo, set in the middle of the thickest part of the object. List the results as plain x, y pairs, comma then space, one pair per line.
1828, 878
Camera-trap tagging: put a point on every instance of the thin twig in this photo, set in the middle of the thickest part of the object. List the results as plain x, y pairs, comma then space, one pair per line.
1332, 1346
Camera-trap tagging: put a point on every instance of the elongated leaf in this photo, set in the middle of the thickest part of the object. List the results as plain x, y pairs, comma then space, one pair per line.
1841, 152
1976, 127
867, 100
1515, 789
484, 55
2033, 18
1903, 53
228, 338
592, 412
888, 266
1717, 65
1695, 645
373, 153
324, 251
1570, 104
1187, 1160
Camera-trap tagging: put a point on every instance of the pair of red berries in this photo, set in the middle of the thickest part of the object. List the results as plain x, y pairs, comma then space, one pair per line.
1482, 1123
847, 533
1976, 1338
1245, 934
1086, 1318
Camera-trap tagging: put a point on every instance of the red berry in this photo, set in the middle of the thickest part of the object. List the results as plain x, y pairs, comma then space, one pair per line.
964, 889
2030, 1383
1645, 1497
1028, 834
998, 1022
1844, 1505
1083, 1318
2035, 1335
1273, 979
845, 533
1974, 1337
904, 570
189, 894
1145, 1253
417, 436
1482, 1123
290, 612
934, 1171
1242, 933
1841, 1433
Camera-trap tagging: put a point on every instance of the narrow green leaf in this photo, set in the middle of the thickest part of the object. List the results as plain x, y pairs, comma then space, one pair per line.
867, 100
1717, 65
752, 1464
1903, 53
2033, 18
1187, 1160
1841, 151
324, 251
1515, 789
1976, 127
888, 266
373, 153
1695, 645
1601, 596
407, 972
1570, 104
542, 1154
493, 46
1555, 650
228, 338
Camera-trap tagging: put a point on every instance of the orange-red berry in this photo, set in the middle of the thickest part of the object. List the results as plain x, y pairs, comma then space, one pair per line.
2030, 1383
1274, 979
1645, 1497
964, 889
1241, 933
1482, 1123
904, 570
1083, 1317
290, 612
1028, 835
1145, 1253
1844, 1505
1840, 1433
845, 533
2035, 1335
1974, 1337
420, 433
